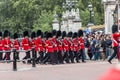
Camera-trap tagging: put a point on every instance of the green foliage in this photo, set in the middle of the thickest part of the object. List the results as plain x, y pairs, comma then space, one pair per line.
44, 22
20, 15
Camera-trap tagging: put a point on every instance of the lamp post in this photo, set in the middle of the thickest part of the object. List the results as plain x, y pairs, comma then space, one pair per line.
92, 15
90, 7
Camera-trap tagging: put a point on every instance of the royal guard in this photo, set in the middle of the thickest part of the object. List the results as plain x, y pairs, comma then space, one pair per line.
33, 42
16, 45
7, 44
60, 47
49, 50
81, 44
76, 47
39, 45
71, 46
44, 41
115, 43
26, 46
1, 46
54, 41
65, 47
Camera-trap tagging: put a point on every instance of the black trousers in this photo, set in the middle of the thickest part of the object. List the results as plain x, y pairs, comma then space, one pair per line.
56, 56
114, 54
60, 57
76, 56
41, 56
49, 56
71, 56
66, 57
7, 56
17, 55
81, 54
27, 55
1, 56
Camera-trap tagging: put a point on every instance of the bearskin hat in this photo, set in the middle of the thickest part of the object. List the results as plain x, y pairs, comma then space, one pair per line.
6, 33
33, 35
69, 34
80, 33
45, 34
75, 35
114, 28
25, 33
58, 34
63, 34
49, 35
15, 36
0, 33
42, 35
54, 32
39, 32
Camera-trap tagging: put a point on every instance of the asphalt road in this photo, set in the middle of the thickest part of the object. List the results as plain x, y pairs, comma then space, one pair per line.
90, 70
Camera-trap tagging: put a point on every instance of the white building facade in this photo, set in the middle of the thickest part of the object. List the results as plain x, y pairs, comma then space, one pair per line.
109, 8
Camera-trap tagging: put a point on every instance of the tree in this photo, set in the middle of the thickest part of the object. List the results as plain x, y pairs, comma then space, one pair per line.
20, 15
44, 22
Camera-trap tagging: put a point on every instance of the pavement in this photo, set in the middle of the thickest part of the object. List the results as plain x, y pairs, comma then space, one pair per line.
90, 70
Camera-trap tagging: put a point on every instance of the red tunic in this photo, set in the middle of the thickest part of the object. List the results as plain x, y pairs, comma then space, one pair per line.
55, 44
65, 45
39, 44
7, 44
44, 45
60, 47
25, 44
75, 42
1, 44
115, 39
70, 44
32, 44
49, 46
16, 44
81, 43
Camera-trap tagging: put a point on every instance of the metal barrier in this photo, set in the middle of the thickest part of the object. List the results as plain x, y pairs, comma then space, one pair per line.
15, 60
